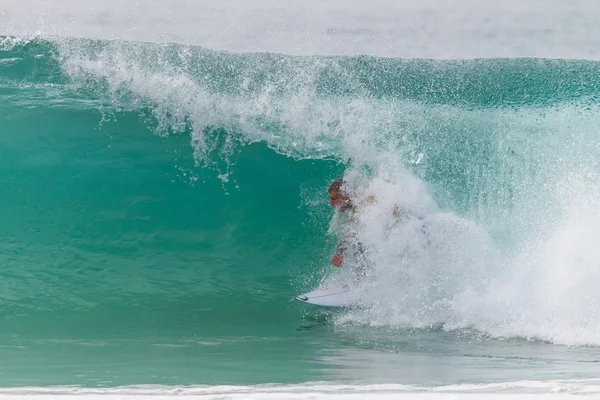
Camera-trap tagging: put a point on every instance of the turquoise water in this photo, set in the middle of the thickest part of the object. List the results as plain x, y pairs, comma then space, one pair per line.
162, 204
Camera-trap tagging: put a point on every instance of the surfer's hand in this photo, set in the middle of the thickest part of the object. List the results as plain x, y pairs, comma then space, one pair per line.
337, 259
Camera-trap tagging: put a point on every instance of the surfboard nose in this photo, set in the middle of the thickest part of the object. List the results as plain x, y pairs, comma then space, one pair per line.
301, 298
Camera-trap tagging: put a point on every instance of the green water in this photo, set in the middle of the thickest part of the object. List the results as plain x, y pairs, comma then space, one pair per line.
159, 215
113, 256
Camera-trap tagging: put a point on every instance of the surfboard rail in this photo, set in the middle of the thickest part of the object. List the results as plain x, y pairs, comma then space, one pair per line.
328, 296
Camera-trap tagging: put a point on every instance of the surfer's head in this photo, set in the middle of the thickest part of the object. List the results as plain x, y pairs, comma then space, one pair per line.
337, 197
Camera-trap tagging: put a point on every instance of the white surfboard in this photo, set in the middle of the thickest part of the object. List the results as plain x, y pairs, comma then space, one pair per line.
332, 296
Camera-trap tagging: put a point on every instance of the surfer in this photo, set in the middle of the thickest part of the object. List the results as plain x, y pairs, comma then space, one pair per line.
346, 212
341, 202
349, 246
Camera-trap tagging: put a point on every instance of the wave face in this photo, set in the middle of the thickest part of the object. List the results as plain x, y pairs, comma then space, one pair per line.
164, 202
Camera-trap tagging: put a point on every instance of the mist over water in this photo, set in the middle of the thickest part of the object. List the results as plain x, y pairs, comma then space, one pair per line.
403, 29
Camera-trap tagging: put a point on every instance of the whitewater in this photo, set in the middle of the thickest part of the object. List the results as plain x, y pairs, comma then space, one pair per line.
164, 196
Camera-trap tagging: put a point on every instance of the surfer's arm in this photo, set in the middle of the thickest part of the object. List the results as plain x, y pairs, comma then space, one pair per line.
342, 247
338, 258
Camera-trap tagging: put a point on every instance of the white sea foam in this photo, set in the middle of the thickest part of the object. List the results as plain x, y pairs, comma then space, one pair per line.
511, 390
447, 269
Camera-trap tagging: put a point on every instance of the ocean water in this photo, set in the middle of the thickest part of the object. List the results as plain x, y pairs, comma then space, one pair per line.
164, 196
